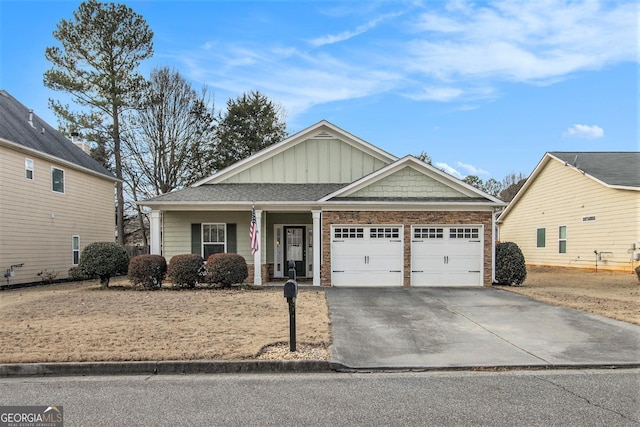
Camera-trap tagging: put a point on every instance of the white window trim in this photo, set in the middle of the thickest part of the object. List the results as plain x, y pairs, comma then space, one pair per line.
562, 240
73, 250
64, 187
545, 237
26, 169
202, 242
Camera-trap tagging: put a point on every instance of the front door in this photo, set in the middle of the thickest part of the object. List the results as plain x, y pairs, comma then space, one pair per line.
294, 250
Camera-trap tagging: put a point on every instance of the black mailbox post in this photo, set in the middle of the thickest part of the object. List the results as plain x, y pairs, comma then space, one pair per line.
290, 293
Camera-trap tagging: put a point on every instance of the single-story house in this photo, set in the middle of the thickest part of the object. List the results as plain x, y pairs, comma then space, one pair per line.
55, 198
346, 212
578, 209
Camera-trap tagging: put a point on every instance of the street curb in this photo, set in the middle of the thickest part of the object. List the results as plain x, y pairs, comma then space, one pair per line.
339, 367
167, 367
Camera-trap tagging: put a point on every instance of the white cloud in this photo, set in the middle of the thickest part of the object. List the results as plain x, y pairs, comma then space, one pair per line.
448, 169
346, 35
471, 170
457, 53
585, 131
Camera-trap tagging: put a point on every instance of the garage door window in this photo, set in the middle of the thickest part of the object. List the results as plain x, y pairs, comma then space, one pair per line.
428, 233
348, 233
463, 233
384, 233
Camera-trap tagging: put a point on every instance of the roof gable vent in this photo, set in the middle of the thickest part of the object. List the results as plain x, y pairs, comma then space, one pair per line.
323, 135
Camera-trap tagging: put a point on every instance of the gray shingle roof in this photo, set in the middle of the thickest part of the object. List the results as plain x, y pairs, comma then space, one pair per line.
15, 127
612, 168
249, 193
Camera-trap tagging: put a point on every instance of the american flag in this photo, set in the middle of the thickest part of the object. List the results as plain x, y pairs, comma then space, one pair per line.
253, 233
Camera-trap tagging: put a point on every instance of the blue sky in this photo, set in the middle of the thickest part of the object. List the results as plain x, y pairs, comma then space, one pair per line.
485, 88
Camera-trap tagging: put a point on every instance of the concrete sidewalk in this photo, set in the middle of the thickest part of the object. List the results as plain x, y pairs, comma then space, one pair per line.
432, 328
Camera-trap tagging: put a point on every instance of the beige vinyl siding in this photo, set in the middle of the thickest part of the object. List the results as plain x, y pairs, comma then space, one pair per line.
560, 195
312, 161
407, 182
37, 224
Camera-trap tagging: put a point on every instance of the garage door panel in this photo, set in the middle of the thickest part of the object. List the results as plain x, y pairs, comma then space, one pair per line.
367, 256
446, 255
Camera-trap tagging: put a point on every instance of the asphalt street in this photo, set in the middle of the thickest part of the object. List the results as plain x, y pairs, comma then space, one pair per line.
523, 398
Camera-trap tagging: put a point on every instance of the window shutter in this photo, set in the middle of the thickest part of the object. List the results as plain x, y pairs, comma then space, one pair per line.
232, 239
196, 239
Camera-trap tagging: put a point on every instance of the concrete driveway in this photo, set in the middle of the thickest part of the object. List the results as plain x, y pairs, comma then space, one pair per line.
470, 327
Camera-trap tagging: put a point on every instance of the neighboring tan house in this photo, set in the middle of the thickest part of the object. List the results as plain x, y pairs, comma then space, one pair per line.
578, 209
54, 198
346, 212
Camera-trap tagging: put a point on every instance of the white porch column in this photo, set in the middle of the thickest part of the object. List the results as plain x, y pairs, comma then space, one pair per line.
155, 231
317, 249
257, 264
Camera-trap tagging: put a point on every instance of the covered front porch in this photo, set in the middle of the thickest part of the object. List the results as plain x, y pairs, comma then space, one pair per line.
283, 235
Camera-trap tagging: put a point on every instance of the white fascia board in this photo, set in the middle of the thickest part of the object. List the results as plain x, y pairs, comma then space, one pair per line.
291, 141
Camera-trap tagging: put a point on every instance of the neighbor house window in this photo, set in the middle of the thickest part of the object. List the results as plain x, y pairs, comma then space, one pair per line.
28, 168
541, 239
214, 239
57, 180
562, 239
75, 250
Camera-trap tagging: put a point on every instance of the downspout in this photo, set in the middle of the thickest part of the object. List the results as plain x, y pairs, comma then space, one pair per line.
496, 212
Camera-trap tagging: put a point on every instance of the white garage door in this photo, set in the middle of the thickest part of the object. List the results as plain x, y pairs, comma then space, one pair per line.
366, 255
446, 255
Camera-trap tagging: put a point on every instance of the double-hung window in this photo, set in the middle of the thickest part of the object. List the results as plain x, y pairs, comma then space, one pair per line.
57, 180
28, 169
75, 250
214, 239
562, 239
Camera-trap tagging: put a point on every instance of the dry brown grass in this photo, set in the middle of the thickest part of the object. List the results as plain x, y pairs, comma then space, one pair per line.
614, 295
79, 322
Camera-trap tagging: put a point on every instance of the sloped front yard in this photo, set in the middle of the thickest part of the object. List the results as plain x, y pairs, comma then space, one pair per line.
80, 322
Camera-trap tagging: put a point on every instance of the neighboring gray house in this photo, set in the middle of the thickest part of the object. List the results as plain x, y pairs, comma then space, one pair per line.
346, 212
54, 198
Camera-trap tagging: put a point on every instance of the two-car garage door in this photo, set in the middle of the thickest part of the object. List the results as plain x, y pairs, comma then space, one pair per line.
371, 255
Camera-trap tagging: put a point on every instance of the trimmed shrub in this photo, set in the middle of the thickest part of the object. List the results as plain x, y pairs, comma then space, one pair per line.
186, 270
76, 275
638, 272
510, 265
147, 270
226, 269
104, 260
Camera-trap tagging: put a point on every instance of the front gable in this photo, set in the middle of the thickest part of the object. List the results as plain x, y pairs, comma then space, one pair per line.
410, 179
322, 153
407, 183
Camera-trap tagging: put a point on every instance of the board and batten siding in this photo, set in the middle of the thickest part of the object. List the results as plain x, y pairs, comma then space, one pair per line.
312, 161
37, 224
563, 196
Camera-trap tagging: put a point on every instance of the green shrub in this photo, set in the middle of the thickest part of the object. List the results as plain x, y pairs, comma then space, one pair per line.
510, 265
638, 272
186, 270
77, 275
103, 260
226, 269
147, 270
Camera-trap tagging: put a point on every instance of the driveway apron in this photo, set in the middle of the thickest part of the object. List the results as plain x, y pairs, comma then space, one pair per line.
470, 327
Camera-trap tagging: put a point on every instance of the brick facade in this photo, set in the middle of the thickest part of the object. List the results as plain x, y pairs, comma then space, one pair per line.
407, 219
